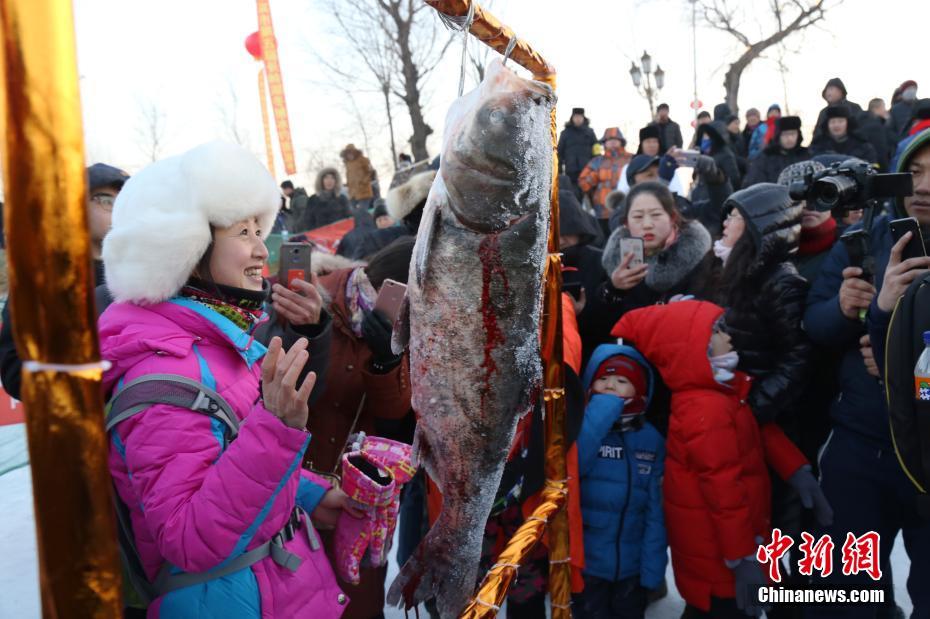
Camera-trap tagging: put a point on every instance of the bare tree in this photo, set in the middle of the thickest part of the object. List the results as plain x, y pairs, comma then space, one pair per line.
399, 43
227, 108
150, 130
790, 16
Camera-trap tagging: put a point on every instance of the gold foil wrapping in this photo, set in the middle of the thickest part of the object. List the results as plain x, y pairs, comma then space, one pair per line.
52, 306
275, 85
266, 123
490, 31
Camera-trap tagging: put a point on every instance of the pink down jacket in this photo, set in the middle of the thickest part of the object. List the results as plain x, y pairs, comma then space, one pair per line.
193, 504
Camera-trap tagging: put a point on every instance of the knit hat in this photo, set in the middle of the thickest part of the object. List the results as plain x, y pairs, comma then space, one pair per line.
799, 171
774, 106
613, 133
788, 123
625, 367
162, 217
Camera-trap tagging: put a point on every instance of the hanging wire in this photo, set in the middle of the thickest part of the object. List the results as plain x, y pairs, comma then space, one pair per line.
510, 45
463, 24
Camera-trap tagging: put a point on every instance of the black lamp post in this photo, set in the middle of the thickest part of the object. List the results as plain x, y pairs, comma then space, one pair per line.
646, 89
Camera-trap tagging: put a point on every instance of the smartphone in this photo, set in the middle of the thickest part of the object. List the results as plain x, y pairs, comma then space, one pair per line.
914, 247
687, 158
294, 262
390, 299
633, 245
571, 282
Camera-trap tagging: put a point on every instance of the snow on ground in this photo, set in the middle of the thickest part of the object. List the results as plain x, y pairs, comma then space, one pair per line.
19, 579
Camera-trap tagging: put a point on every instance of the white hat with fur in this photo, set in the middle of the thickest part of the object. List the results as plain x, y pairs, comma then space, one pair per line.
403, 199
162, 217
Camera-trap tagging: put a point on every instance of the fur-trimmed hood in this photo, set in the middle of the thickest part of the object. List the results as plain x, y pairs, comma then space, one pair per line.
670, 266
318, 184
403, 199
162, 217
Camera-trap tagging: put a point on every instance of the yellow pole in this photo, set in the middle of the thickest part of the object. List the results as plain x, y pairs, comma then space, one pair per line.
52, 305
490, 31
266, 125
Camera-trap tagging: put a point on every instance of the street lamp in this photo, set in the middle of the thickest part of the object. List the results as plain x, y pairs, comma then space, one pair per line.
646, 89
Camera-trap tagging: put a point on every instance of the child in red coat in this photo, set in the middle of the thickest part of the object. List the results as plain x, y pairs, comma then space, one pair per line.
717, 487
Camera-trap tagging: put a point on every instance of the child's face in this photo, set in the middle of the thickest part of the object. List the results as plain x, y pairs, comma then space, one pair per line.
612, 384
720, 343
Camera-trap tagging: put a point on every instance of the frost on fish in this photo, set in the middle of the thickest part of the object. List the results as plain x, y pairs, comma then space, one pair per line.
475, 293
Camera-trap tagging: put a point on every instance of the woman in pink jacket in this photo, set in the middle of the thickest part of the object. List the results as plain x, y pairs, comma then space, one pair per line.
184, 263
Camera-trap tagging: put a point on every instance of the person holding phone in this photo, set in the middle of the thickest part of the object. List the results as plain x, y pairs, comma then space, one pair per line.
368, 386
861, 475
677, 254
184, 261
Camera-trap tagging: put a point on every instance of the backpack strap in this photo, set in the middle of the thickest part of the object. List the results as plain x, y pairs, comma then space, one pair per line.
175, 390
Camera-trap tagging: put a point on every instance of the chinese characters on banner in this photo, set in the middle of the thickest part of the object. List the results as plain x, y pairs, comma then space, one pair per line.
859, 554
275, 85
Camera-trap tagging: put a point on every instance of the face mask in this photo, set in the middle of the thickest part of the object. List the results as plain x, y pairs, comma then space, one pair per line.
909, 94
723, 366
705, 145
722, 251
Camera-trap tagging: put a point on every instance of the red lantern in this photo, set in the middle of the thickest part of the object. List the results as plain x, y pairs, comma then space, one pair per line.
253, 45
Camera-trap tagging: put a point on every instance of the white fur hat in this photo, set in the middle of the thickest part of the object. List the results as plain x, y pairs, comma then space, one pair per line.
403, 199
162, 217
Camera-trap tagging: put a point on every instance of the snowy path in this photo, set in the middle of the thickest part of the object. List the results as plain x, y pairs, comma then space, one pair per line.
19, 570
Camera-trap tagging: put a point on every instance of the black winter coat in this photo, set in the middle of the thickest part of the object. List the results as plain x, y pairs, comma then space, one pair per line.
879, 134
669, 135
764, 309
323, 209
767, 166
852, 146
575, 144
855, 110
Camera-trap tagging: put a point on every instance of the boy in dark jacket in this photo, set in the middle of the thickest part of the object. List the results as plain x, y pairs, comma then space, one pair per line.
621, 459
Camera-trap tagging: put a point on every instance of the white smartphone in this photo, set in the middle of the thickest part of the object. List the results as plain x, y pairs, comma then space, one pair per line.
633, 245
687, 158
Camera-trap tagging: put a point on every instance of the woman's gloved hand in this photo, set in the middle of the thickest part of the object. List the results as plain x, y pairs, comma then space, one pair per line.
812, 496
749, 578
377, 330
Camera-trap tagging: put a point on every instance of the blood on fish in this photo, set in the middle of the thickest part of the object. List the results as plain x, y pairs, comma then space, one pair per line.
491, 265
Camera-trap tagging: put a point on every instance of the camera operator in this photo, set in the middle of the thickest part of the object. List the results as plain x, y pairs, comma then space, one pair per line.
860, 474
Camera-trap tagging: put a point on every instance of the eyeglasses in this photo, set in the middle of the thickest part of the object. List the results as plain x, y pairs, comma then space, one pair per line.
105, 200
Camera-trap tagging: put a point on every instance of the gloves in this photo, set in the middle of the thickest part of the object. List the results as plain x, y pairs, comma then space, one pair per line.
377, 329
749, 578
705, 165
812, 496
393, 458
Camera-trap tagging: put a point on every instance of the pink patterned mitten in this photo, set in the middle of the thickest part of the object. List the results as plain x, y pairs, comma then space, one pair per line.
395, 458
370, 490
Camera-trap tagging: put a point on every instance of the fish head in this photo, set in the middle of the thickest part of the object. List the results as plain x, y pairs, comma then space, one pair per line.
497, 157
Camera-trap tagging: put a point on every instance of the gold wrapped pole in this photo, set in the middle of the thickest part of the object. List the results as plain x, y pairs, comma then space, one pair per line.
490, 31
266, 124
52, 305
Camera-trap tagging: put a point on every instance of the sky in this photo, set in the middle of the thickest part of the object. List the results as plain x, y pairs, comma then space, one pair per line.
186, 60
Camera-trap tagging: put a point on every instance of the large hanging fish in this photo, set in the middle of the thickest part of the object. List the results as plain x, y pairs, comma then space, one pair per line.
474, 295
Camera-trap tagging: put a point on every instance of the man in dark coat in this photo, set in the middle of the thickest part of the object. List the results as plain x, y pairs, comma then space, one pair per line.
669, 131
575, 145
297, 202
902, 107
753, 120
834, 93
873, 126
784, 150
839, 135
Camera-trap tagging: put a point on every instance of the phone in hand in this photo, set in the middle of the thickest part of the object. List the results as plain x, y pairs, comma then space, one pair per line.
915, 247
390, 299
571, 282
633, 245
295, 260
687, 158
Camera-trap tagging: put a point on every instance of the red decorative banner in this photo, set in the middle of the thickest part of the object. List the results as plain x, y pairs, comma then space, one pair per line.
269, 50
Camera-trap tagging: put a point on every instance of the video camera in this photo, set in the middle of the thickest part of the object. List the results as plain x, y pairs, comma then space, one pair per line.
849, 186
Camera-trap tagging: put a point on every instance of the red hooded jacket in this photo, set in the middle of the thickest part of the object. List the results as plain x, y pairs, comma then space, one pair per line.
716, 488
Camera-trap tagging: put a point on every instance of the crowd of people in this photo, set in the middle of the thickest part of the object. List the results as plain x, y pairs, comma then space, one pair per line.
744, 393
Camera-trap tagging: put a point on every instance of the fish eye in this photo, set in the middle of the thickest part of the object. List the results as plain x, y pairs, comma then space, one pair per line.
496, 116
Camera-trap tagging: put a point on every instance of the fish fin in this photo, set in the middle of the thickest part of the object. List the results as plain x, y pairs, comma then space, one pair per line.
435, 570
401, 335
431, 214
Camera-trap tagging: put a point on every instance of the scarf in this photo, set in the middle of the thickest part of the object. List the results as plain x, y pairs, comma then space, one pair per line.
360, 297
723, 366
818, 239
243, 307
722, 251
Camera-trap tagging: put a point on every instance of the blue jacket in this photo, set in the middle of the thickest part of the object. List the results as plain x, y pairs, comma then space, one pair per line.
860, 406
621, 486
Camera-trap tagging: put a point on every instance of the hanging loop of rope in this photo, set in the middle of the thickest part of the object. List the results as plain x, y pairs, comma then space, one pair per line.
463, 24
512, 44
